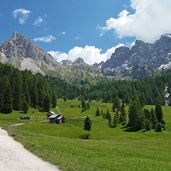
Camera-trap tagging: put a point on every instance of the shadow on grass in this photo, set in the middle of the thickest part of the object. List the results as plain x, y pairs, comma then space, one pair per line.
129, 129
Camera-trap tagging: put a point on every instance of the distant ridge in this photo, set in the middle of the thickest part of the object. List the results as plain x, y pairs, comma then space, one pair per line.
141, 60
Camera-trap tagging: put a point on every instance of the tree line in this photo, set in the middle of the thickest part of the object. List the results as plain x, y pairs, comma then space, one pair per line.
149, 90
21, 89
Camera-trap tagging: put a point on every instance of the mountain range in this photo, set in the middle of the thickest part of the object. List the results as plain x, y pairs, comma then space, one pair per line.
142, 59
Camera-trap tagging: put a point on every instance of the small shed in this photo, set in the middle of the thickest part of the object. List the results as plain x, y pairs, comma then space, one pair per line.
60, 119
52, 118
56, 118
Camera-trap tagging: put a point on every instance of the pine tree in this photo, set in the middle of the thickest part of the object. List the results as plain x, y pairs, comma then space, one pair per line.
46, 105
148, 115
25, 107
108, 117
7, 106
159, 113
83, 104
116, 104
127, 99
98, 112
154, 118
122, 117
115, 121
136, 116
54, 101
107, 114
87, 124
110, 120
1, 101
148, 125
34, 94
18, 91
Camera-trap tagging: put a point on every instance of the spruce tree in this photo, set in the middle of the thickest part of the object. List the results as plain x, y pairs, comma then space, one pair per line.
154, 118
116, 105
87, 124
46, 105
34, 94
1, 101
25, 107
54, 100
83, 104
122, 117
7, 106
98, 112
18, 91
148, 125
115, 121
159, 113
107, 114
136, 116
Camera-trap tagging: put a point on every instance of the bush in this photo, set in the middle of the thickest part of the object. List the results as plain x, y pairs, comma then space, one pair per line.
85, 136
98, 112
72, 106
158, 127
148, 125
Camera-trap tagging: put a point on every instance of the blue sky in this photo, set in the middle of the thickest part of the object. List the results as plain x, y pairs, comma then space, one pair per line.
60, 26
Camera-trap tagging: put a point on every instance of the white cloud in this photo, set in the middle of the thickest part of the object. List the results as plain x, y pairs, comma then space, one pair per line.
38, 21
21, 14
150, 20
46, 39
90, 54
63, 33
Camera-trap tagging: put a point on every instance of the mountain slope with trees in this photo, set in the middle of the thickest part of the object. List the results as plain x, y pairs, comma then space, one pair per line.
19, 89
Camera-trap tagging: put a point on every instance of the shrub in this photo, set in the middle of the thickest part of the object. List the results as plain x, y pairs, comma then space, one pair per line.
158, 127
85, 136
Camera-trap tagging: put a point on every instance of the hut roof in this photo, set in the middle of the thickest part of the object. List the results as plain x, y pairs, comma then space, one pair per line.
53, 116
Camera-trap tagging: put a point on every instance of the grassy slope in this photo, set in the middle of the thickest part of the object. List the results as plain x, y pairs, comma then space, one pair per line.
108, 149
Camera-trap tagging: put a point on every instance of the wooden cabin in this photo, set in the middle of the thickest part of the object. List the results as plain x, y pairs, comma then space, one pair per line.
56, 118
50, 114
60, 120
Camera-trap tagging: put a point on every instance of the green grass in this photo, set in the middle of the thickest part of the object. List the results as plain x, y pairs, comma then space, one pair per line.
108, 149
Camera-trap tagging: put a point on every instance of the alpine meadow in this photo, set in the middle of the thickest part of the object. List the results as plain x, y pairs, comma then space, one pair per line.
85, 86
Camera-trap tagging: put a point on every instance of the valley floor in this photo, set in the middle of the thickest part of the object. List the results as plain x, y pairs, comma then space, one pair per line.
108, 149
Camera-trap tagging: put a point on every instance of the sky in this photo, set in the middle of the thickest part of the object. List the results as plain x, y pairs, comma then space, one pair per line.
90, 29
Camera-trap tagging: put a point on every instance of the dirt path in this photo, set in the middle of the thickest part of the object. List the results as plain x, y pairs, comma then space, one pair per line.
14, 157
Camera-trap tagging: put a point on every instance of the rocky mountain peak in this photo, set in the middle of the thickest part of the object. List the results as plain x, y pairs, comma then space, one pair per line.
24, 54
139, 42
16, 36
79, 62
148, 57
66, 62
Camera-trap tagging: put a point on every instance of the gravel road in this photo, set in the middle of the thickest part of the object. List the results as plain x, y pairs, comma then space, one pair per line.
14, 157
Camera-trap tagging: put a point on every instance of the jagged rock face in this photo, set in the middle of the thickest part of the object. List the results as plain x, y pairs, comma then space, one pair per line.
66, 63
79, 62
143, 59
78, 68
141, 71
149, 57
22, 53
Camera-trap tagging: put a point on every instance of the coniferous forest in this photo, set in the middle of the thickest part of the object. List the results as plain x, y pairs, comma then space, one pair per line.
21, 89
